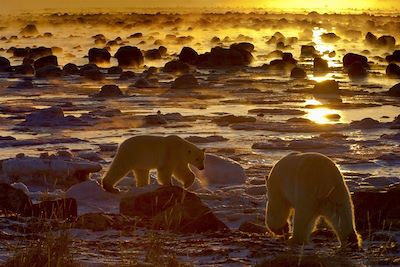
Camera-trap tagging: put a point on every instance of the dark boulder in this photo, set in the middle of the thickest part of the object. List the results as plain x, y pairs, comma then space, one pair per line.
188, 55
377, 209
115, 70
393, 71
129, 56
172, 208
109, 90
91, 72
394, 90
326, 87
20, 52
320, 65
45, 61
99, 56
4, 63
249, 47
163, 50
176, 66
330, 37
386, 41
395, 57
351, 58
370, 38
298, 73
126, 75
308, 51
142, 83
49, 71
29, 30
38, 52
357, 71
13, 200
71, 69
186, 81
152, 54
220, 57
24, 69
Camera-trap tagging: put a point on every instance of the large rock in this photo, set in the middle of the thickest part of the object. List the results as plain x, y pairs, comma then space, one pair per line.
153, 54
109, 90
377, 210
220, 170
394, 90
220, 57
386, 41
326, 87
395, 57
186, 81
71, 69
45, 61
188, 55
351, 58
320, 65
99, 56
49, 117
176, 66
4, 64
357, 71
49, 72
308, 51
129, 56
393, 71
172, 208
62, 169
13, 200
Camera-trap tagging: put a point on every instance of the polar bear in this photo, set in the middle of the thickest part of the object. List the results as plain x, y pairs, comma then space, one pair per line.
170, 155
311, 185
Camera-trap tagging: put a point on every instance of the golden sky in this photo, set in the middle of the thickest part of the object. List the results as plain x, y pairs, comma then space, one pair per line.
329, 5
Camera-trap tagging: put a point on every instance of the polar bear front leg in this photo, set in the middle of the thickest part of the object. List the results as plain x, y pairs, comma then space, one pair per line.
142, 177
277, 213
305, 216
164, 176
185, 176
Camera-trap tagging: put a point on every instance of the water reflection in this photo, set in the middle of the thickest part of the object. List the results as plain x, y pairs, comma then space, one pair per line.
321, 115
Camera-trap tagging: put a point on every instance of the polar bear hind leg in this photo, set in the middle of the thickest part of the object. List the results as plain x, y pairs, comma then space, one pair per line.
278, 211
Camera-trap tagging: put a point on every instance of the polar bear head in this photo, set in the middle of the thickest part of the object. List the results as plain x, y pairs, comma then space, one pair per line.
195, 157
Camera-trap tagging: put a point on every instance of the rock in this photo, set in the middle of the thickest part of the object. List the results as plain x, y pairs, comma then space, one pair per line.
71, 69
308, 51
25, 84
155, 119
244, 46
29, 30
55, 167
357, 71
394, 90
45, 61
129, 56
370, 38
153, 54
230, 119
4, 64
88, 191
208, 139
142, 83
220, 57
109, 90
351, 58
99, 56
172, 208
115, 70
220, 170
126, 75
395, 57
330, 37
48, 72
94, 222
393, 71
188, 55
320, 65
176, 66
91, 72
45, 117
38, 52
13, 200
24, 69
387, 41
298, 73
366, 123
377, 210
253, 228
60, 209
186, 81
326, 87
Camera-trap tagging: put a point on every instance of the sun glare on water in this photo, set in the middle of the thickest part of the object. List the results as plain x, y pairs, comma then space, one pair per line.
321, 115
